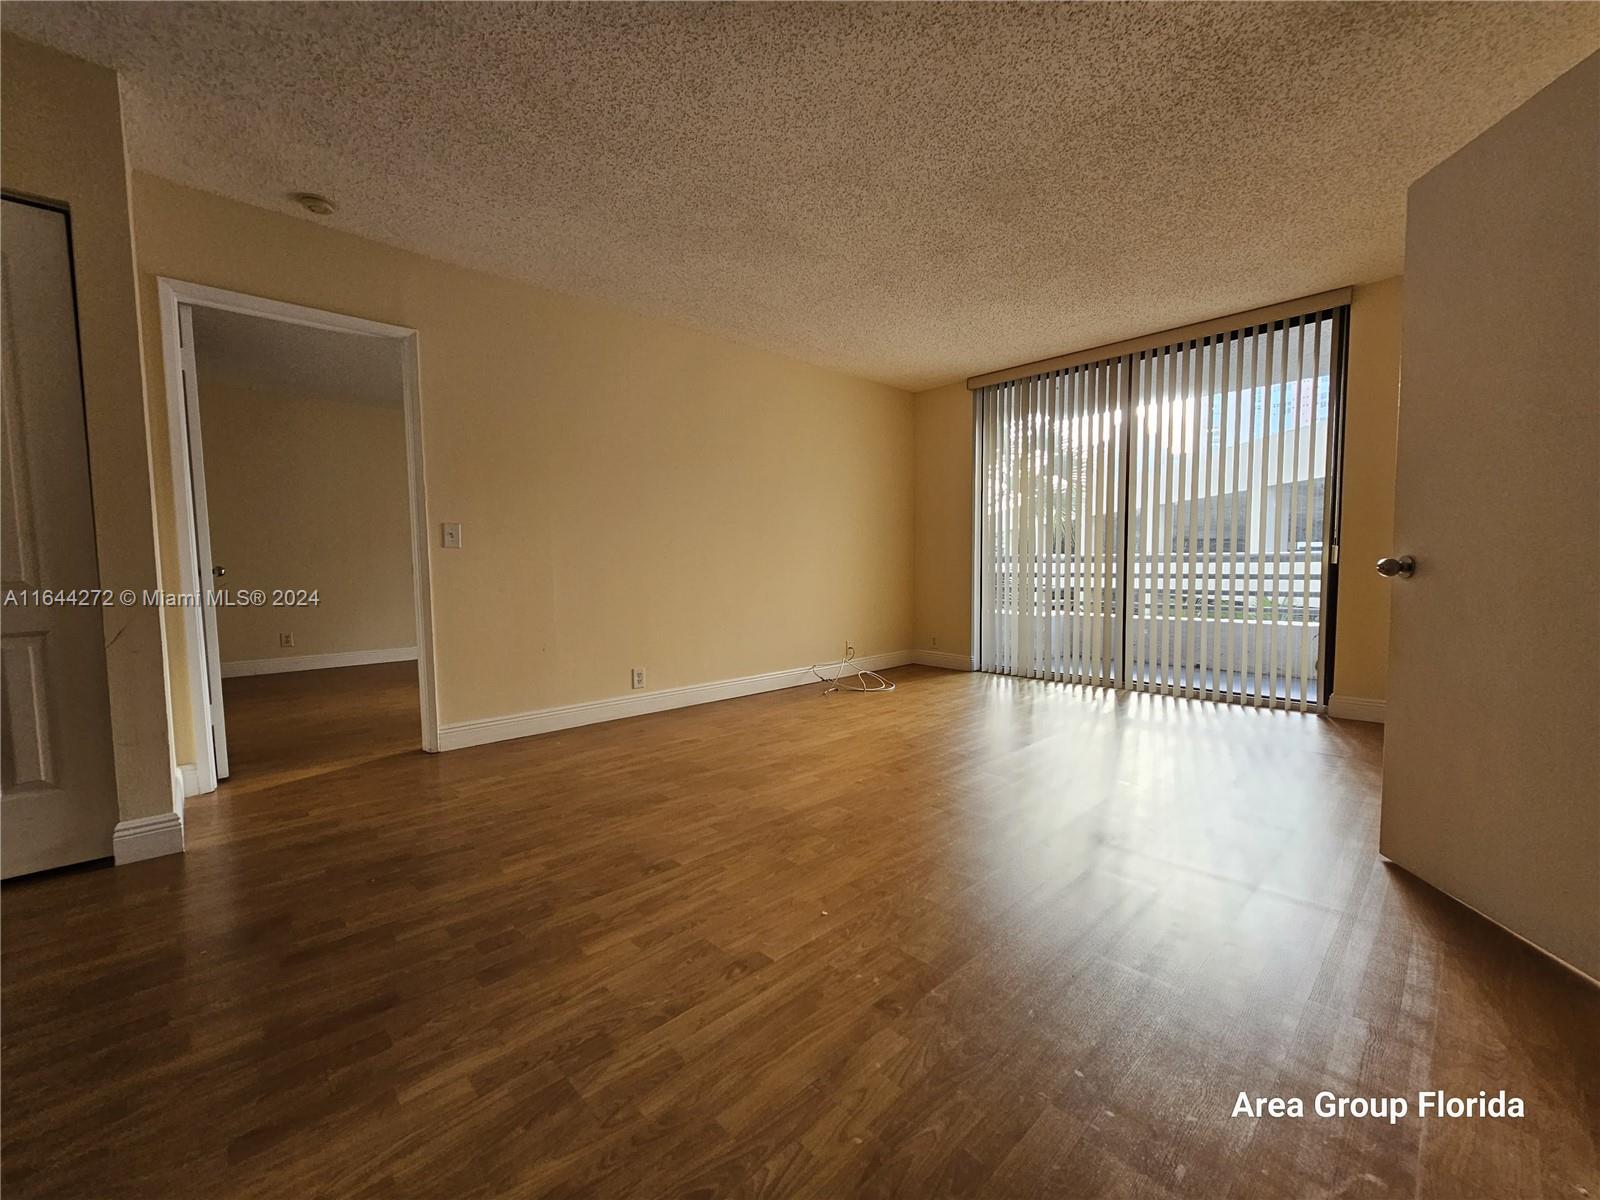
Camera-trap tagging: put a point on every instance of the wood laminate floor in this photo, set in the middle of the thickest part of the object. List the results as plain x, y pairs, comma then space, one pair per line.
974, 937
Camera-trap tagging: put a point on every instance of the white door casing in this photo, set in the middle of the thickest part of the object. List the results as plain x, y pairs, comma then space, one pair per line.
58, 801
198, 659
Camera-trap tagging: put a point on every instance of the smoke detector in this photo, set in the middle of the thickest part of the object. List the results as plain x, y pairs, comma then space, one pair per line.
319, 205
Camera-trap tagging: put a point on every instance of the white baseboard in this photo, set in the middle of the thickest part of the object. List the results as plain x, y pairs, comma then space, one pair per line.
147, 837
1355, 708
938, 658
569, 716
191, 778
316, 662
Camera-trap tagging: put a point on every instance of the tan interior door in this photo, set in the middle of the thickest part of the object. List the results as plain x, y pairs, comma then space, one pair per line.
58, 799
1491, 786
209, 579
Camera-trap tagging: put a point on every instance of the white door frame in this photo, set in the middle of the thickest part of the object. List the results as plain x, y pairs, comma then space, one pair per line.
175, 292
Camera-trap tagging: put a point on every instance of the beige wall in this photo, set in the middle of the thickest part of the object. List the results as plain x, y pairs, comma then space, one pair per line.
943, 564
308, 492
61, 141
1372, 400
632, 493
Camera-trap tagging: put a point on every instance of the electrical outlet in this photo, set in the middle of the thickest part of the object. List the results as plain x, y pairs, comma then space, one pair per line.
451, 535
849, 650
638, 677
286, 641
933, 642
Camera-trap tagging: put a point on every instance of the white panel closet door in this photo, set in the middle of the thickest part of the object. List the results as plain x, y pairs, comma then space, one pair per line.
59, 802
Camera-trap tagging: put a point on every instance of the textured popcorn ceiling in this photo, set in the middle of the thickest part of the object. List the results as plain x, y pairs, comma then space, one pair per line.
909, 193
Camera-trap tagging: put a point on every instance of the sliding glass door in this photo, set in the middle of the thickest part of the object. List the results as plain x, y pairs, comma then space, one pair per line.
1052, 528
1164, 520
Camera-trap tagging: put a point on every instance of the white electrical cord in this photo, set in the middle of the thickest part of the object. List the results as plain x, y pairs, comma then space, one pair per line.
866, 681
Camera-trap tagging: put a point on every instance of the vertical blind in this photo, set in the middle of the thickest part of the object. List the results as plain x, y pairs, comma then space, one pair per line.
1163, 520
1052, 528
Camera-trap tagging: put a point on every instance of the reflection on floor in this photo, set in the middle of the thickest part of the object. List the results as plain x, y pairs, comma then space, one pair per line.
295, 726
975, 936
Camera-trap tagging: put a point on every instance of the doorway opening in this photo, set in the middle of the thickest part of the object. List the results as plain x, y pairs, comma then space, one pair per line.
297, 467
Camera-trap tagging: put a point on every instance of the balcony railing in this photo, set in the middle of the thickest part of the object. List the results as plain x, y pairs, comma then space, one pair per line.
1218, 621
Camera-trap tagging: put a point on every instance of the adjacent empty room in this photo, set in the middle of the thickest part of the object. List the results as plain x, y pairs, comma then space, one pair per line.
810, 600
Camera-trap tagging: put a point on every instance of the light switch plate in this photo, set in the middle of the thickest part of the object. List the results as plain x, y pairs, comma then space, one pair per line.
451, 535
